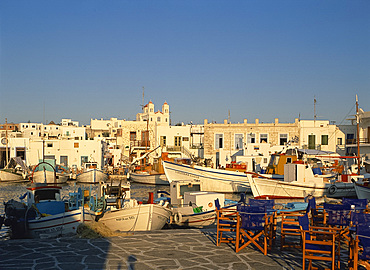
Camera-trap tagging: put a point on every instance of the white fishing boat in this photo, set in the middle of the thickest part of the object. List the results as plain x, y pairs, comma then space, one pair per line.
15, 171
45, 172
91, 174
299, 182
121, 213
215, 180
149, 178
44, 214
191, 206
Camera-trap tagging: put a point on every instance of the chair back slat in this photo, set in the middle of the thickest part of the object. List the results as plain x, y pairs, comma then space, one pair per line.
253, 217
268, 203
338, 214
360, 218
363, 233
360, 204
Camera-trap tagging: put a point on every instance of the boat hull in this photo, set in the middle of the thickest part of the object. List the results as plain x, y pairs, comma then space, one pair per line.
362, 192
11, 177
49, 177
143, 217
212, 179
276, 189
62, 224
92, 177
149, 179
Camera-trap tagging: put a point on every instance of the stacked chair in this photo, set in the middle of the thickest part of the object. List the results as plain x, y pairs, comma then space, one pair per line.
226, 224
319, 243
247, 225
359, 248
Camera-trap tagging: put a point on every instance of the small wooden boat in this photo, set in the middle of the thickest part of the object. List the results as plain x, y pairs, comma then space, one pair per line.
15, 171
45, 172
91, 174
121, 213
44, 214
149, 178
193, 207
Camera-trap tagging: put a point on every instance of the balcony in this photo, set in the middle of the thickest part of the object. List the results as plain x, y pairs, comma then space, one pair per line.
354, 141
137, 143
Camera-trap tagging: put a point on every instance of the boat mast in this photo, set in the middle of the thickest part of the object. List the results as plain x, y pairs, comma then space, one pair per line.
358, 138
6, 139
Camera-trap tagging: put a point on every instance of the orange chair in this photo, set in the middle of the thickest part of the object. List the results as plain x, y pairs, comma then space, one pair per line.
319, 244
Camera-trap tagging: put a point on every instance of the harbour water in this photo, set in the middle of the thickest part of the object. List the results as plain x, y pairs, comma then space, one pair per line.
139, 192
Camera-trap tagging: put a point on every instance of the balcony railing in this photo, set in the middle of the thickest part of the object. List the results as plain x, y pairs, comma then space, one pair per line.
138, 143
354, 141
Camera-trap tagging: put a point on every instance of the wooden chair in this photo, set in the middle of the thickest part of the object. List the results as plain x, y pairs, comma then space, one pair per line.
290, 229
226, 224
358, 220
319, 244
338, 216
358, 204
270, 208
361, 249
253, 227
317, 214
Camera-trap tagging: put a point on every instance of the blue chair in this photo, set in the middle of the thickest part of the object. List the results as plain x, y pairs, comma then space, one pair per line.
362, 247
338, 216
319, 244
317, 214
270, 208
226, 224
290, 235
253, 226
360, 204
359, 220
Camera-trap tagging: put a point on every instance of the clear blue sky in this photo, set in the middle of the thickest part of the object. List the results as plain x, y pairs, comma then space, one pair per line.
258, 59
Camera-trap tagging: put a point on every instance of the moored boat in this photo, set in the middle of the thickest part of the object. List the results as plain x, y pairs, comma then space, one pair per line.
91, 174
215, 180
44, 214
149, 178
191, 206
299, 182
121, 213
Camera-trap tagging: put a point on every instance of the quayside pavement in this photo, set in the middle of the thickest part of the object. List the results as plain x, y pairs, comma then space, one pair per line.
164, 249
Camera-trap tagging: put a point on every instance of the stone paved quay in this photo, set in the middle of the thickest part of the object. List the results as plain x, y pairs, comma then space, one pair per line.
165, 249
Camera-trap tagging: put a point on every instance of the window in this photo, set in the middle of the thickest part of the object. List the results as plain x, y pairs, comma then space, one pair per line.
76, 145
238, 141
311, 141
283, 139
31, 133
132, 135
67, 133
251, 138
219, 141
166, 119
84, 159
64, 161
49, 145
263, 138
340, 141
158, 119
163, 141
350, 139
324, 139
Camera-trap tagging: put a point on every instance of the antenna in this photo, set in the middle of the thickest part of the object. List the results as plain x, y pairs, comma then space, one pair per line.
314, 108
142, 102
228, 118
